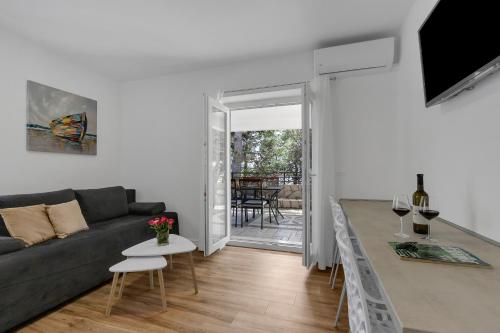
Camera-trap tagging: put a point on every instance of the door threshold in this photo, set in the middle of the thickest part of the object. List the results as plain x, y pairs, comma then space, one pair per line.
265, 245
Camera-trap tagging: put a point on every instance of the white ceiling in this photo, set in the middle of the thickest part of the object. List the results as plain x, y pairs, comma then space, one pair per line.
129, 39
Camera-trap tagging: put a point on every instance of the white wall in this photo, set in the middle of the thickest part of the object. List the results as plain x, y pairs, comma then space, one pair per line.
454, 144
23, 171
366, 115
163, 124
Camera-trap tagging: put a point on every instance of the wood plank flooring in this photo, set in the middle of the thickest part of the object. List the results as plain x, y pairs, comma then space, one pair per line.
241, 290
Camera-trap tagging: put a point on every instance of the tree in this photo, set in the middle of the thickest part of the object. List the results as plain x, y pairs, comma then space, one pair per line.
267, 152
237, 151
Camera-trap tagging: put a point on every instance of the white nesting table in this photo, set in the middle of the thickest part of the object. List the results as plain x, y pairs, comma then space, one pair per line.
142, 264
177, 244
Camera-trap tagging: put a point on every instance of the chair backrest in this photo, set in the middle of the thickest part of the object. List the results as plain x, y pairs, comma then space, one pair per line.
251, 187
359, 319
234, 189
333, 202
271, 181
339, 220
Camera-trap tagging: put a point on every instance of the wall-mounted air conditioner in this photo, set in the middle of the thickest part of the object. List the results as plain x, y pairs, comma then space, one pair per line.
355, 59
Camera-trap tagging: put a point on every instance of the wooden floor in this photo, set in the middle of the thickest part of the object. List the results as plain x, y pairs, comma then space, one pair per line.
241, 290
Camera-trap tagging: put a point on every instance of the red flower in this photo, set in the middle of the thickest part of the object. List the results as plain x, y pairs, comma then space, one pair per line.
153, 222
161, 223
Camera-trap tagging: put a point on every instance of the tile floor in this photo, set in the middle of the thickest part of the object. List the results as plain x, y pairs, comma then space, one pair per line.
287, 233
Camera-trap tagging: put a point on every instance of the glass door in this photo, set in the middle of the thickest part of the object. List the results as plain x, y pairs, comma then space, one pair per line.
217, 187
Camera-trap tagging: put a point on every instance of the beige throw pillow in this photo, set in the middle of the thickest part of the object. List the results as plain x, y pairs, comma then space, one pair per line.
66, 218
29, 224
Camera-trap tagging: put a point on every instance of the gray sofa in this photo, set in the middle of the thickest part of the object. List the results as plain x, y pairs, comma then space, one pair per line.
41, 277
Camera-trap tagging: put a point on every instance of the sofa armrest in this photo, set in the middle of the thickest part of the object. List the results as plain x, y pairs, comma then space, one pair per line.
146, 208
130, 195
9, 244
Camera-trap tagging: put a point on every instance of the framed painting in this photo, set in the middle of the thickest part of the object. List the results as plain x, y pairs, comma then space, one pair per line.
59, 121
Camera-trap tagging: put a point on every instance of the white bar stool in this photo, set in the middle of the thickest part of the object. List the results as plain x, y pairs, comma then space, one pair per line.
137, 264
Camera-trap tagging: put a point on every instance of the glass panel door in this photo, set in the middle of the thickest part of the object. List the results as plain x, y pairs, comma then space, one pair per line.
218, 176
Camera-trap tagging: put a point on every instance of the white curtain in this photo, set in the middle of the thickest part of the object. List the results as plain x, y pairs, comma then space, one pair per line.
323, 171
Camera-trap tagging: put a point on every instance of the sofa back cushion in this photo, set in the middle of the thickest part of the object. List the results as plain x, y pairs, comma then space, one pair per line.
103, 203
21, 200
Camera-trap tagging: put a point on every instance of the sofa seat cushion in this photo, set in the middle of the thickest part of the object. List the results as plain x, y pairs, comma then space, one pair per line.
103, 242
129, 222
102, 204
146, 208
53, 257
128, 229
9, 244
21, 200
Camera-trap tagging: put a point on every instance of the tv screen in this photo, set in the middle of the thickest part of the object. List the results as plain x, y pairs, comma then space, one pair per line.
458, 41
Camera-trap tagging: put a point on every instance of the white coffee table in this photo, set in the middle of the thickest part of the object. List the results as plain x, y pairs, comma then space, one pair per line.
177, 244
139, 264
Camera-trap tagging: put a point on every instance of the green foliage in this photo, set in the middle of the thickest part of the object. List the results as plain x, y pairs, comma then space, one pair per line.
267, 152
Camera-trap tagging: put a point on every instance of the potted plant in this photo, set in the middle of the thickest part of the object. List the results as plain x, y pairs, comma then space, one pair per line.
162, 226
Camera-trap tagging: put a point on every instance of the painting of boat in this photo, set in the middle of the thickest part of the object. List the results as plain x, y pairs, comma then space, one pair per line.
59, 121
72, 127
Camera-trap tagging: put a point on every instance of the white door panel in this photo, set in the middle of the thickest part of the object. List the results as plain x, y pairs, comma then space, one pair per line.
217, 187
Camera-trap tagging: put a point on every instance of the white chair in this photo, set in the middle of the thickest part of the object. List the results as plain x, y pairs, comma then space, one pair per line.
336, 256
335, 262
370, 313
358, 307
340, 225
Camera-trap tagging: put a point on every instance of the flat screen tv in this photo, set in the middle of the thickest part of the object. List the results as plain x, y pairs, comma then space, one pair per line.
459, 45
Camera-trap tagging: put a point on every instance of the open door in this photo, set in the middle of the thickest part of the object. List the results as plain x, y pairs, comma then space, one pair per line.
217, 178
307, 174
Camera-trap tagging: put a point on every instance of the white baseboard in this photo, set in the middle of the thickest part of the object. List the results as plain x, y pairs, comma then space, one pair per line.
197, 243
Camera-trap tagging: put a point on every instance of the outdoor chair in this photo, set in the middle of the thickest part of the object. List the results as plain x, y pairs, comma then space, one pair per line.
252, 198
235, 199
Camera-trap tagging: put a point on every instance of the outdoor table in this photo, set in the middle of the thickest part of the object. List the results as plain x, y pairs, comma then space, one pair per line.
272, 192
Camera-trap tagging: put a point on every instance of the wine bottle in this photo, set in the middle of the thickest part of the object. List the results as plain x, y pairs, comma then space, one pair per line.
420, 224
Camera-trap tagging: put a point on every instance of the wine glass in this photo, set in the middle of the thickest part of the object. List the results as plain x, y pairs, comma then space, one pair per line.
401, 206
429, 210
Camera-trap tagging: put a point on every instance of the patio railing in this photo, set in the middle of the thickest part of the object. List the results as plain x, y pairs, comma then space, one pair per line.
285, 177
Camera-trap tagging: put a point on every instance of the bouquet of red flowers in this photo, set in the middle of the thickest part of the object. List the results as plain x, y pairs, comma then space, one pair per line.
162, 226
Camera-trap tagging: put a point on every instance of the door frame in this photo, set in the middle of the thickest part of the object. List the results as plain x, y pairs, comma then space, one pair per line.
306, 162
307, 174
